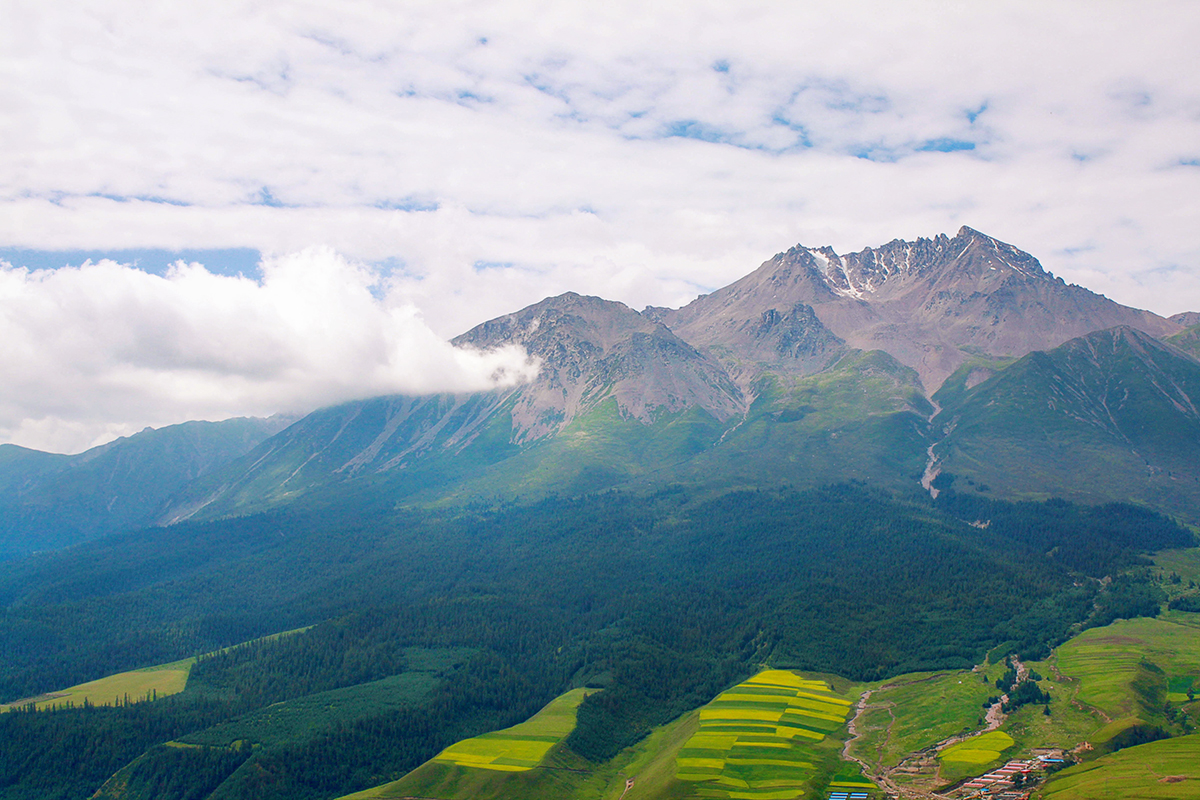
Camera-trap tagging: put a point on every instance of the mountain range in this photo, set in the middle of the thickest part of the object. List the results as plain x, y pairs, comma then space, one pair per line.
951, 362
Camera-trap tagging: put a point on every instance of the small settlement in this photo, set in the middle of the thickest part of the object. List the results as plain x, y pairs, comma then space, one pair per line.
1013, 781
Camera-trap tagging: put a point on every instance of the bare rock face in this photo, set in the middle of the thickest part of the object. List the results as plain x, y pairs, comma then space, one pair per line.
929, 303
1188, 319
592, 349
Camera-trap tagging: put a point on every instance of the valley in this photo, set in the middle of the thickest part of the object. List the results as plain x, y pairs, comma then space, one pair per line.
855, 526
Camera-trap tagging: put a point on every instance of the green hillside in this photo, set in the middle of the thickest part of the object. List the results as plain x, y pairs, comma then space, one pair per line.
1162, 770
1188, 341
1111, 416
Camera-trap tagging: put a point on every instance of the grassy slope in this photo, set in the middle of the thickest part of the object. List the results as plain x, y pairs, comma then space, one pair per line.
1187, 340
1092, 421
912, 712
160, 680
1163, 770
1108, 662
136, 685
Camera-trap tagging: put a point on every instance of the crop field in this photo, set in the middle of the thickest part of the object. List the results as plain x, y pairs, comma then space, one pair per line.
1106, 660
521, 747
134, 686
1164, 770
978, 750
755, 740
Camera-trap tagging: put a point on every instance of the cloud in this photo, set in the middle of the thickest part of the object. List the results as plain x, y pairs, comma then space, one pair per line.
493, 153
103, 349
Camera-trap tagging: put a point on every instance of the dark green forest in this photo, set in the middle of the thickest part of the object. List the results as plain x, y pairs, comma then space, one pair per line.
432, 626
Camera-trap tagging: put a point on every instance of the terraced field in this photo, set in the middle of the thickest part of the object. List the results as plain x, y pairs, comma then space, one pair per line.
756, 740
521, 747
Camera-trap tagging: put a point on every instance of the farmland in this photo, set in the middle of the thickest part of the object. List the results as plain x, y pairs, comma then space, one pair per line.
976, 752
757, 739
522, 746
477, 766
124, 687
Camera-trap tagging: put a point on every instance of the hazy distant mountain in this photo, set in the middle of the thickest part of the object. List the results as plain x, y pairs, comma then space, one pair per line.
931, 304
1188, 319
1111, 415
49, 500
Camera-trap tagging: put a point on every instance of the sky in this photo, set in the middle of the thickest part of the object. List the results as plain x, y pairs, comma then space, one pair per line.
241, 208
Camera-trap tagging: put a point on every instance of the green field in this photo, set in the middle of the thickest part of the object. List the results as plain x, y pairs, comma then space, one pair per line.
522, 746
1109, 664
755, 740
477, 767
1163, 770
134, 686
978, 750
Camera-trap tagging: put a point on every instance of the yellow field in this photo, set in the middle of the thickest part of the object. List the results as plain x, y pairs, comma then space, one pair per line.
138, 685
755, 739
982, 749
521, 747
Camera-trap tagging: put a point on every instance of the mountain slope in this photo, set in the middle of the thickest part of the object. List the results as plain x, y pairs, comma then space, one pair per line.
929, 303
1111, 415
608, 376
1187, 340
49, 500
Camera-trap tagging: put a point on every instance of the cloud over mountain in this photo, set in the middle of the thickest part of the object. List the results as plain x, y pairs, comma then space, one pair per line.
103, 349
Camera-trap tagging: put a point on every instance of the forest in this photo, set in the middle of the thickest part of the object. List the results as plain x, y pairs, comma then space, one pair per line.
471, 619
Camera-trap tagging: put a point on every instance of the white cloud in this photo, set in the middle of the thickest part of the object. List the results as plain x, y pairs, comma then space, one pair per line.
504, 151
103, 349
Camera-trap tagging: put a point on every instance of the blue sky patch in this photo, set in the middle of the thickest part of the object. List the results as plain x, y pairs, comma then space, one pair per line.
694, 129
221, 261
945, 145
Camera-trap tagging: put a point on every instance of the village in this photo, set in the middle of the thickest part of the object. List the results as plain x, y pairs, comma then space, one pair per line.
1013, 781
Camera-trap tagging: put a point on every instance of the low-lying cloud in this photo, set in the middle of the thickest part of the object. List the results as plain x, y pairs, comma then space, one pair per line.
104, 349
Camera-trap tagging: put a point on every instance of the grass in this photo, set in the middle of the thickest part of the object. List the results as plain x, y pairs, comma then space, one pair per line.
1108, 663
914, 711
1162, 770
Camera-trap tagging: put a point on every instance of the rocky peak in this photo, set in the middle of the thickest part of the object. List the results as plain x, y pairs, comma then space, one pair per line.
592, 349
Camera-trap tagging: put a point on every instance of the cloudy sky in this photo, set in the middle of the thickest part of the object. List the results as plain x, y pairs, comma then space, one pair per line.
349, 184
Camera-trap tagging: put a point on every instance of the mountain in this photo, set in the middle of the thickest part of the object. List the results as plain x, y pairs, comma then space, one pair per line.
1187, 340
1111, 415
49, 500
931, 304
814, 368
602, 362
1188, 319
